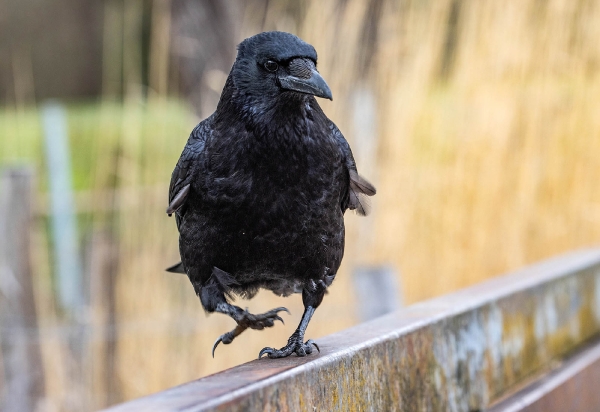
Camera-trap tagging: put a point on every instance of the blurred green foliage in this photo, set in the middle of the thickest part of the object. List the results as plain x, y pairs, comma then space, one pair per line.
111, 143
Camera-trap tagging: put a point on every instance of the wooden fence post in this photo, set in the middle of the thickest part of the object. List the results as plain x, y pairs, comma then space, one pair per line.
101, 258
21, 357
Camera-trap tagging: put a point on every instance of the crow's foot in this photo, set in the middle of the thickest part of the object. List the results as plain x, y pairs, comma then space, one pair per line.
247, 320
294, 345
264, 320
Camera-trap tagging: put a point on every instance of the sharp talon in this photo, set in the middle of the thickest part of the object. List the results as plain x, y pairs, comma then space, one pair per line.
312, 342
216, 344
279, 318
263, 351
281, 309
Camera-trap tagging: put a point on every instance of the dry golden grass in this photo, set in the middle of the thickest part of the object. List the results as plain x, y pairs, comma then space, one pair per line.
486, 155
485, 160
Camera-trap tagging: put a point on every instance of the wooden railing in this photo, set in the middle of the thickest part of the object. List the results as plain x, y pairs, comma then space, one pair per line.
521, 342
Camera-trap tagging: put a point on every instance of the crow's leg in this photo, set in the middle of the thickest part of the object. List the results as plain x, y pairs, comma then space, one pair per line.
213, 297
312, 299
244, 321
296, 342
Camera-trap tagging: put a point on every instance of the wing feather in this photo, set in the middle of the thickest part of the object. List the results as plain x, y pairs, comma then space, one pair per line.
187, 168
178, 200
358, 188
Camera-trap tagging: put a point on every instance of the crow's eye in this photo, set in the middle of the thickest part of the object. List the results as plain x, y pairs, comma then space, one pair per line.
271, 66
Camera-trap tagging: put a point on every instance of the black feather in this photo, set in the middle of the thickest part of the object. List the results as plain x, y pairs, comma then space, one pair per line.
223, 281
359, 189
360, 184
176, 268
178, 200
359, 203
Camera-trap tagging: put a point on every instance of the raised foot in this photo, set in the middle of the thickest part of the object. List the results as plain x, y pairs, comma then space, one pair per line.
247, 320
294, 345
264, 320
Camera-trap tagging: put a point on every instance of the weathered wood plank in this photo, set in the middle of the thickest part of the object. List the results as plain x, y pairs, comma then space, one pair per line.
459, 352
21, 358
572, 387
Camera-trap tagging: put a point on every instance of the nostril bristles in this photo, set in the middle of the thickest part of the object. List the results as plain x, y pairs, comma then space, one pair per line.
301, 68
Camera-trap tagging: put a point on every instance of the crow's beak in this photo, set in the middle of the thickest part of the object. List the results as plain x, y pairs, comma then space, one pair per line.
314, 85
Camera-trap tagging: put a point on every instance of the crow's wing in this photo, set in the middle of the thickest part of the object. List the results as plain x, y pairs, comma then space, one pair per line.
353, 197
187, 168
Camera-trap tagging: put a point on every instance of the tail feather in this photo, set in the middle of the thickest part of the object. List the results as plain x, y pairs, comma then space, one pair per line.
177, 268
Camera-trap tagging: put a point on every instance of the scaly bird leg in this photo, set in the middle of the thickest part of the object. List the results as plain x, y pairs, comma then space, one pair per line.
296, 342
311, 297
244, 321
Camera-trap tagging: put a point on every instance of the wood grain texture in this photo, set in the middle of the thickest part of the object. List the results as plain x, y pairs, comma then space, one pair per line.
459, 352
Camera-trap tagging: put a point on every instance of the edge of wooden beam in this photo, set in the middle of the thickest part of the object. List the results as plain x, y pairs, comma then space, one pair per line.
461, 351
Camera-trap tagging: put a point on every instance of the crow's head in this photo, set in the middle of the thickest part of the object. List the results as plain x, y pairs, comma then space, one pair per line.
274, 62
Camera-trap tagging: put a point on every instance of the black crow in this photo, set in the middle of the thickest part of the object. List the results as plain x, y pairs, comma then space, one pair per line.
260, 190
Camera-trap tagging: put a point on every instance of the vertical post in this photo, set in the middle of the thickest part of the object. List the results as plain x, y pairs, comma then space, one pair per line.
376, 289
63, 222
21, 357
65, 242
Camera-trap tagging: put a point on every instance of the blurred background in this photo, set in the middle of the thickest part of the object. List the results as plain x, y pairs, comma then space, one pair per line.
478, 121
